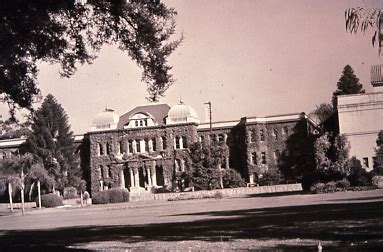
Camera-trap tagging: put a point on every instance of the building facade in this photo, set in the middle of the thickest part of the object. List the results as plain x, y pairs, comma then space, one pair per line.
149, 145
361, 119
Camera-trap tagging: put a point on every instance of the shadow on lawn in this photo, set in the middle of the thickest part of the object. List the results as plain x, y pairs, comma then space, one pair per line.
343, 222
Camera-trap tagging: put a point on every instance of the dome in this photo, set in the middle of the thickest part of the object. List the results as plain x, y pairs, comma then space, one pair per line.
181, 113
105, 120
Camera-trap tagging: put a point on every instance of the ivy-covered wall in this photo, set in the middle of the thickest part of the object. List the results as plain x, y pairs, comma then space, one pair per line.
115, 151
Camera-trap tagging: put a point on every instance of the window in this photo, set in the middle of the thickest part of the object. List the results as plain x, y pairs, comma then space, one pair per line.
101, 148
138, 146
263, 158
154, 144
164, 146
146, 143
101, 170
107, 149
252, 137
177, 142
109, 172
177, 164
201, 139
221, 138
275, 133
184, 142
285, 130
141, 123
212, 138
254, 158
262, 135
130, 146
146, 122
365, 162
136, 123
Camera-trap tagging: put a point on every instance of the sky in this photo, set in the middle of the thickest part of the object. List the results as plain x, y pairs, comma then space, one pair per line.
247, 57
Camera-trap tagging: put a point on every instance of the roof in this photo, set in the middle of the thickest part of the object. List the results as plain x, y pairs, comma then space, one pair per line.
158, 111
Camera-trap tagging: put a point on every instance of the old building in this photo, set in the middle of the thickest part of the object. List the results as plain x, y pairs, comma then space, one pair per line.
148, 145
361, 119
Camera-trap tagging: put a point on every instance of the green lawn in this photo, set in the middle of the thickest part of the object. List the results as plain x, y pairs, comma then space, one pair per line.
352, 221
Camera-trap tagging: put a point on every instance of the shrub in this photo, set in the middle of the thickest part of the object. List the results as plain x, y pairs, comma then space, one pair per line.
330, 186
343, 184
358, 176
232, 179
114, 195
377, 181
318, 188
86, 195
218, 195
70, 192
271, 177
50, 200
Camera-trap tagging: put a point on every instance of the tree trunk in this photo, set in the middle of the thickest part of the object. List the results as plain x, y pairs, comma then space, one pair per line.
39, 193
82, 199
22, 200
31, 191
10, 195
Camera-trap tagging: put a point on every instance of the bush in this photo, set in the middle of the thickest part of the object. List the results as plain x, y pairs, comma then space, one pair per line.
271, 177
218, 195
343, 184
318, 188
330, 186
232, 179
86, 195
50, 200
358, 176
70, 193
114, 195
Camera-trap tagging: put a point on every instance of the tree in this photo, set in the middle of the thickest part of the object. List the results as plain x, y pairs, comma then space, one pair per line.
206, 160
347, 84
52, 142
332, 157
38, 175
297, 160
14, 169
324, 111
363, 19
69, 33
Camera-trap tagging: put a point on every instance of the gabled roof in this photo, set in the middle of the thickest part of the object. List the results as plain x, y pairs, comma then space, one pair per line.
158, 111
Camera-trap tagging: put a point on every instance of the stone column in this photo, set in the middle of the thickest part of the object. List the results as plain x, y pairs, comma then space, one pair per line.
227, 163
136, 177
131, 178
122, 177
134, 146
150, 142
251, 178
148, 175
153, 173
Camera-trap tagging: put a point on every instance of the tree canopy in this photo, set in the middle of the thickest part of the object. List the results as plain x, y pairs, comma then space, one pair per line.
69, 33
347, 84
362, 19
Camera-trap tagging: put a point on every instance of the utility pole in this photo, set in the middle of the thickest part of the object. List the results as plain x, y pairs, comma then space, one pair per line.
209, 104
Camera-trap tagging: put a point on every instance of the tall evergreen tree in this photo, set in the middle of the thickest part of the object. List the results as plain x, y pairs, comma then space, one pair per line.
52, 141
347, 84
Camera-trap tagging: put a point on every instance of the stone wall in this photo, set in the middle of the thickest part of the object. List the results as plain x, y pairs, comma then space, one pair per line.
228, 192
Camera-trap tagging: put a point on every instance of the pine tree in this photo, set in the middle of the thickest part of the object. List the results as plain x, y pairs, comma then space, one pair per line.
347, 84
52, 142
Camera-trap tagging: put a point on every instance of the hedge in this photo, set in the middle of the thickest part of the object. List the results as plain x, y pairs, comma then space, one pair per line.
50, 200
114, 195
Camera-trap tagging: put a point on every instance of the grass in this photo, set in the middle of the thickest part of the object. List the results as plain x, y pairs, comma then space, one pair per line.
352, 221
